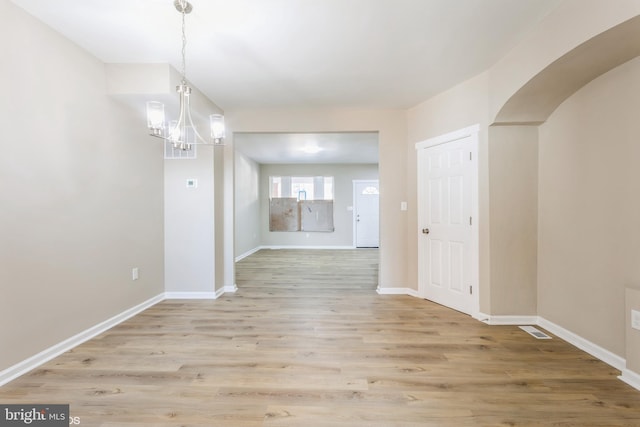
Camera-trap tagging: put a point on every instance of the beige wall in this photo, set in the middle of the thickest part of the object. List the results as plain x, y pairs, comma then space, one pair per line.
247, 204
229, 214
391, 125
81, 185
508, 261
457, 108
589, 206
194, 217
632, 335
513, 180
189, 224
220, 221
507, 195
572, 23
343, 176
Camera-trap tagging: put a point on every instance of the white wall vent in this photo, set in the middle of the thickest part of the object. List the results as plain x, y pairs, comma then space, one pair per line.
534, 332
171, 153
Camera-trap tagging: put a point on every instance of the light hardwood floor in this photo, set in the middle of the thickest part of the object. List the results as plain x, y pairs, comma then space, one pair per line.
306, 341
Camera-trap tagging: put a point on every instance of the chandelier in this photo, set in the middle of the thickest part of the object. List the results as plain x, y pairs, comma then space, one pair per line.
182, 133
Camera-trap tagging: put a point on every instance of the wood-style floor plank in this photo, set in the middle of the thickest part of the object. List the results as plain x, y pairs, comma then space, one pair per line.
306, 341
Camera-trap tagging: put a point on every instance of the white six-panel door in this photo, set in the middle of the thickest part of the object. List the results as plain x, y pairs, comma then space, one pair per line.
446, 231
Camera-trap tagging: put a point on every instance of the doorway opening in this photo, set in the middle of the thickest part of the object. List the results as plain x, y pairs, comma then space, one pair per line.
277, 176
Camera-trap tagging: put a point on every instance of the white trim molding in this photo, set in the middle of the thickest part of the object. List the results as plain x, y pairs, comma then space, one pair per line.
44, 356
584, 344
604, 355
507, 320
233, 288
397, 291
449, 137
194, 295
248, 253
276, 247
202, 295
630, 378
308, 247
566, 335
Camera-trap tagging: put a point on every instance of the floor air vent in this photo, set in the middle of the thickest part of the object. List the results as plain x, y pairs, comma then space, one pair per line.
536, 333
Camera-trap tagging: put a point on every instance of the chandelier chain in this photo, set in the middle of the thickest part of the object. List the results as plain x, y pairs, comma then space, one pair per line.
184, 48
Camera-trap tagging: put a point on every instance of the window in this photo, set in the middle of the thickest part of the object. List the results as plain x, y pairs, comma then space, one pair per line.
370, 191
301, 187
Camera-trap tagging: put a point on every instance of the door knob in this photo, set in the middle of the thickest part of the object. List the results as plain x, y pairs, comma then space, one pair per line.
425, 231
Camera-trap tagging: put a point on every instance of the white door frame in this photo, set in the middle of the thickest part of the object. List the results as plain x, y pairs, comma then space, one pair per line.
471, 131
354, 208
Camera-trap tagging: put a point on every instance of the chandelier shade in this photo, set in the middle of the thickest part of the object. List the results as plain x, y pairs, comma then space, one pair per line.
155, 118
217, 128
182, 133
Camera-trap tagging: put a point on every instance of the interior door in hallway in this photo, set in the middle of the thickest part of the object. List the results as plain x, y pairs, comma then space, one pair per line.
446, 180
366, 213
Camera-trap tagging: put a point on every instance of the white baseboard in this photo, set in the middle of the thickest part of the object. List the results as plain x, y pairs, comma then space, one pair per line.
508, 320
248, 253
276, 247
231, 288
413, 293
194, 295
630, 378
568, 336
33, 362
584, 345
397, 291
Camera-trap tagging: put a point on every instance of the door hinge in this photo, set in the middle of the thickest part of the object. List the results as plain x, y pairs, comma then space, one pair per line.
471, 290
470, 155
470, 220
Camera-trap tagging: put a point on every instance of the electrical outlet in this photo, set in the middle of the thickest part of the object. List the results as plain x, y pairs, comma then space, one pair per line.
635, 319
134, 273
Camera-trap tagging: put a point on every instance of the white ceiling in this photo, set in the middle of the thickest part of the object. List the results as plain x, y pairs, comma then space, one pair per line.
304, 53
291, 148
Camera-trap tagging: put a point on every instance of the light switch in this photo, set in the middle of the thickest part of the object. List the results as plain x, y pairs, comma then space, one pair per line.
403, 206
192, 183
